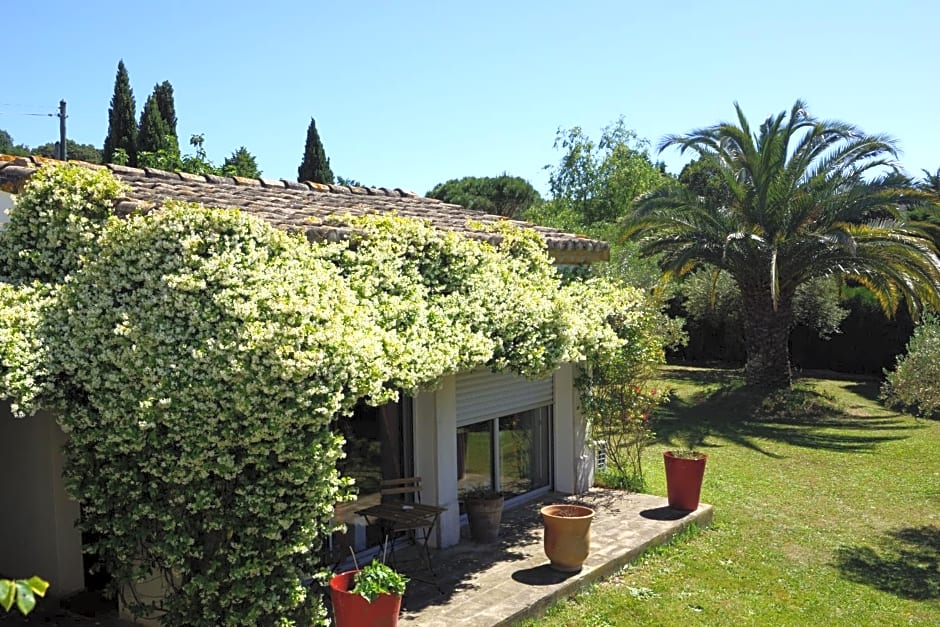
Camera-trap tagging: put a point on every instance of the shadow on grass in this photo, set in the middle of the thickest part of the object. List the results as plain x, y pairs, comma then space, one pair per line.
907, 564
869, 390
718, 405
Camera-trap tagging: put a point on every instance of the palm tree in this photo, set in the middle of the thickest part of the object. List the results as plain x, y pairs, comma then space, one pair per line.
809, 198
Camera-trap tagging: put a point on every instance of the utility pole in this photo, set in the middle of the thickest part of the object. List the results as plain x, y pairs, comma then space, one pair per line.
63, 153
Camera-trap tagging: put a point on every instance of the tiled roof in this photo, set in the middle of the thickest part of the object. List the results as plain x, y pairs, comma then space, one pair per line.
303, 206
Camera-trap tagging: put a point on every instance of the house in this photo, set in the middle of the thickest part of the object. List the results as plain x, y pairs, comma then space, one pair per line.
478, 428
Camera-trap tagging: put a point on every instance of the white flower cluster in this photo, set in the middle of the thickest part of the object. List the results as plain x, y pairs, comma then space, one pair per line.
198, 356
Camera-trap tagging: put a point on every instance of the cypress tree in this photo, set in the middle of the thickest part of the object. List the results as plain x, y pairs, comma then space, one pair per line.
154, 133
315, 165
164, 95
122, 119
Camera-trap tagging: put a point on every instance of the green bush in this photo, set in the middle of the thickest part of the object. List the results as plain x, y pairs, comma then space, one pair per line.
614, 385
914, 384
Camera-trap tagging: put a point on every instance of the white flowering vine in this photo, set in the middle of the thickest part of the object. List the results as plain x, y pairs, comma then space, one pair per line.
197, 358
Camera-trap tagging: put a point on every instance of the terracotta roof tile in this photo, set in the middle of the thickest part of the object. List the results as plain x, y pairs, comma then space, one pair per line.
303, 207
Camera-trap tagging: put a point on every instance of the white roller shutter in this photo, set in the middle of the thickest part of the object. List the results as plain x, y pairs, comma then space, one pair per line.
482, 395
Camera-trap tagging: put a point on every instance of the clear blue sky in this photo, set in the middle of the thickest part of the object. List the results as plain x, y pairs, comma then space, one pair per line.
409, 94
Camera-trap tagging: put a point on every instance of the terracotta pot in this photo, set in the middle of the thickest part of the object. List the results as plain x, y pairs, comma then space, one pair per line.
567, 535
353, 610
684, 480
484, 516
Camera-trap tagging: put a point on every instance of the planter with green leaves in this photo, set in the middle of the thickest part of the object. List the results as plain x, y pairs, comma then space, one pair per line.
684, 472
370, 597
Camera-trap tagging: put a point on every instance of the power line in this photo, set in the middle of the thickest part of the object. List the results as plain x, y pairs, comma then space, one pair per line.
44, 115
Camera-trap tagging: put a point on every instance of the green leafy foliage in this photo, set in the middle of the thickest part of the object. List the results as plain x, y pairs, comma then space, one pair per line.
241, 163
376, 578
22, 592
198, 357
122, 120
599, 182
712, 296
914, 384
615, 386
315, 165
509, 196
76, 151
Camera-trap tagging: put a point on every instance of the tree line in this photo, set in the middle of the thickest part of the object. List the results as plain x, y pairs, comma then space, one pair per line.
153, 141
796, 239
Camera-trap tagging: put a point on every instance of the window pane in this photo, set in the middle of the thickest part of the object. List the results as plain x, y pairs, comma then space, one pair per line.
523, 451
376, 450
475, 457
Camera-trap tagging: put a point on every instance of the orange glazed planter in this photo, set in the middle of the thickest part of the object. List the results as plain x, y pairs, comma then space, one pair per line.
684, 475
567, 535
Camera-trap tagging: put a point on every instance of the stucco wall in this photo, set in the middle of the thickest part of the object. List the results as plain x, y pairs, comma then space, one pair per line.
37, 524
6, 201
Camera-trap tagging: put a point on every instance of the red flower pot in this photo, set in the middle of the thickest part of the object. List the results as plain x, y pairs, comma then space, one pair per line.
352, 610
684, 480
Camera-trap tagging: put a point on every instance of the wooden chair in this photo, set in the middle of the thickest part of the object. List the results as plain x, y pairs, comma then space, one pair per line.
402, 513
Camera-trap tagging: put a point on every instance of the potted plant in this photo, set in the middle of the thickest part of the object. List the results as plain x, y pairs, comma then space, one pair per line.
684, 472
367, 597
567, 540
484, 509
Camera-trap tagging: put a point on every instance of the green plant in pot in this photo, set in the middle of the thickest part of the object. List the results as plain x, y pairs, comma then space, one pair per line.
484, 509
367, 597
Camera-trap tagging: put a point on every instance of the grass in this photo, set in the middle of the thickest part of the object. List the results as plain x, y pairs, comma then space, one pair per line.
827, 510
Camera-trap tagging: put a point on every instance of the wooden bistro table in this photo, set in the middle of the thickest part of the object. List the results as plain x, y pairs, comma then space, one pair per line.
395, 517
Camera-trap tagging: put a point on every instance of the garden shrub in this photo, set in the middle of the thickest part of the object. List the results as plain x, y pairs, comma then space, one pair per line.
197, 358
914, 384
615, 385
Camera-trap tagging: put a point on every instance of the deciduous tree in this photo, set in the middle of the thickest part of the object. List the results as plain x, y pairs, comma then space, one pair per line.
599, 182
502, 195
76, 151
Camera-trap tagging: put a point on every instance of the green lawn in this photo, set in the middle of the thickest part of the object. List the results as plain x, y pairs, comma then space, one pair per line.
826, 512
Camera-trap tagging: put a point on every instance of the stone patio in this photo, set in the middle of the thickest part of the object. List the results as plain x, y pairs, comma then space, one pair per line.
498, 584
479, 585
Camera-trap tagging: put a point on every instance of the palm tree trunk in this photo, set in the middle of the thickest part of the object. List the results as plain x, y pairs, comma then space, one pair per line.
767, 339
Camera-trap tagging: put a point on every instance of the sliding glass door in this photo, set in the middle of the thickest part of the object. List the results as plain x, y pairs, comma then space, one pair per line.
510, 454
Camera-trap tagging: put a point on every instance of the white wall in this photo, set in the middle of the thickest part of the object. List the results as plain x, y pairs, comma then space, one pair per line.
435, 429
37, 523
574, 457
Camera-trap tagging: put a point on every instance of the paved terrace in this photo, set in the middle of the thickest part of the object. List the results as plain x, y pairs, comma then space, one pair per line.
481, 585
